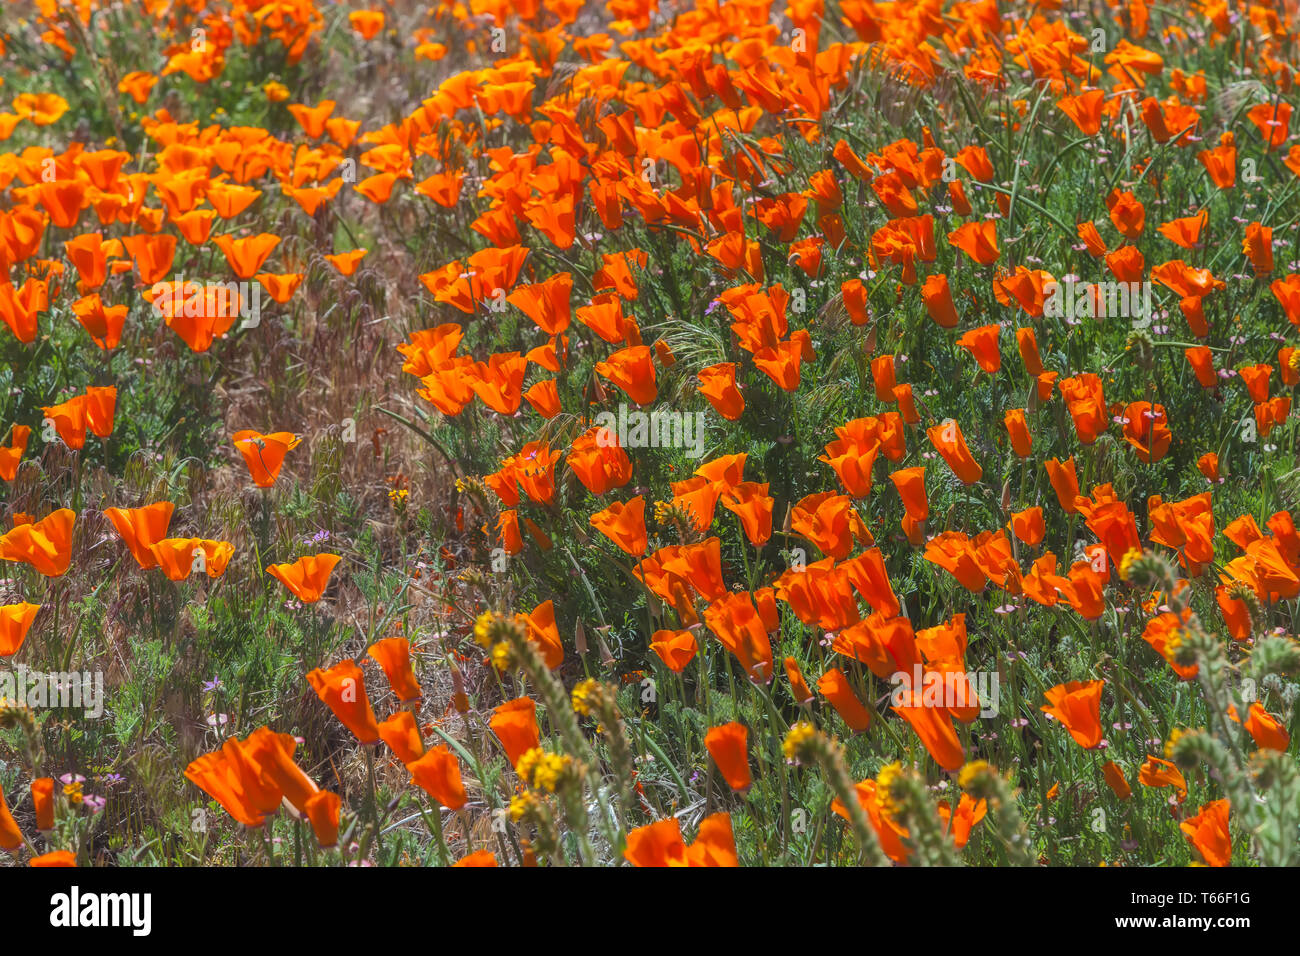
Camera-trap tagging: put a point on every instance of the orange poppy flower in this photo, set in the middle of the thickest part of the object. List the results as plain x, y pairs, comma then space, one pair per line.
624, 524
982, 343
443, 188
46, 544
141, 528
882, 375
937, 297
632, 370
679, 573
1027, 346
957, 196
952, 551
230, 199
1287, 292
1018, 431
934, 726
718, 385
1258, 248
271, 757
343, 689
368, 23
515, 724
1208, 832
542, 631
180, 557
1155, 772
152, 255
479, 858
402, 735
975, 160
1288, 366
910, 483
599, 462
798, 686
604, 316
88, 253
660, 844
1077, 705
104, 323
312, 118
1083, 590
1028, 526
852, 458
1146, 429
101, 404
1161, 633
378, 188
437, 773
322, 810
1267, 731
1064, 482
138, 85
979, 240
1201, 359
11, 838
1115, 779
949, 442
346, 262
195, 226
280, 286
1221, 164
1185, 232
885, 644
307, 577
835, 687
20, 308
15, 622
1087, 405
867, 574
247, 255
199, 314
736, 622
1092, 241
906, 404
43, 109
499, 381
264, 454
1084, 110
533, 469
1272, 413
960, 823
853, 294
546, 303
750, 502
544, 397
1185, 280
12, 455
43, 802
1273, 121
728, 746
393, 654
675, 648
546, 356
828, 521
887, 829
1127, 213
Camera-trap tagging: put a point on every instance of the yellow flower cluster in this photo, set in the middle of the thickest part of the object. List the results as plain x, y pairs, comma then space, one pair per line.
799, 734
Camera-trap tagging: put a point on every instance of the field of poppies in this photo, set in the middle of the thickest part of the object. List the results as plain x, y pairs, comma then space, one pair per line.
649, 432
